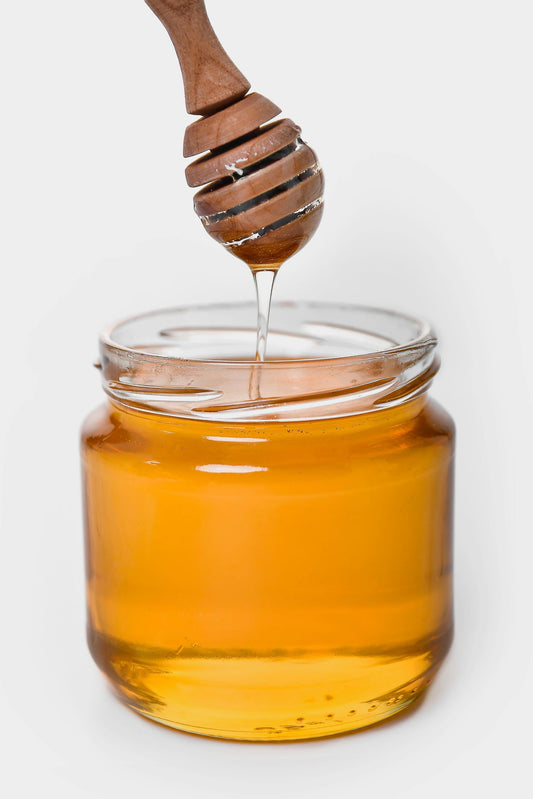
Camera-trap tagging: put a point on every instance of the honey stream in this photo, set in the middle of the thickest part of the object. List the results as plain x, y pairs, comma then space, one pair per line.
264, 279
264, 284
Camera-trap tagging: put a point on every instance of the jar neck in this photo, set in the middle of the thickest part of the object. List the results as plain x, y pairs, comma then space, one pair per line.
370, 423
147, 364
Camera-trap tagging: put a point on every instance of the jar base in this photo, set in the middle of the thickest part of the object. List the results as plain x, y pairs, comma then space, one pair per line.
303, 732
300, 696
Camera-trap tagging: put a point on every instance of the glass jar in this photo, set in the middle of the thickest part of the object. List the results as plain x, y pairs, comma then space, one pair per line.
269, 546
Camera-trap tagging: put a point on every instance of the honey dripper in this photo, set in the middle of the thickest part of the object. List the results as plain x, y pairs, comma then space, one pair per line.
263, 186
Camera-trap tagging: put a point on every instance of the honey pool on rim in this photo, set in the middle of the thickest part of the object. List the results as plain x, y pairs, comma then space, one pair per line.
269, 581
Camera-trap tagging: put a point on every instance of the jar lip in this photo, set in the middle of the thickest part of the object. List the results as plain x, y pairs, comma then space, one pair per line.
425, 339
326, 360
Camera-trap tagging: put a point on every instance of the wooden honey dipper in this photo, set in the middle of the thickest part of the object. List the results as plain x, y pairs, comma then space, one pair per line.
264, 195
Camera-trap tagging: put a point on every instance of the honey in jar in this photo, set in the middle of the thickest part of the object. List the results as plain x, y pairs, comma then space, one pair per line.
269, 545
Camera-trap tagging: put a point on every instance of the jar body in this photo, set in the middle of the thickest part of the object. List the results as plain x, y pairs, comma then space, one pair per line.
267, 581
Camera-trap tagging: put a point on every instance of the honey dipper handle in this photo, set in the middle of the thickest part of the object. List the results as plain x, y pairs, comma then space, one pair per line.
211, 79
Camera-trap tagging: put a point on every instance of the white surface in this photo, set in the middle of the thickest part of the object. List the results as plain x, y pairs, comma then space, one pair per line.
421, 115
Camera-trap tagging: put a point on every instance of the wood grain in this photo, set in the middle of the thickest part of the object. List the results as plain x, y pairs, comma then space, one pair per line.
272, 249
217, 165
216, 198
229, 124
271, 210
211, 79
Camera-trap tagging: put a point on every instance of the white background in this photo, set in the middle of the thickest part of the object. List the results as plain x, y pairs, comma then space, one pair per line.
421, 114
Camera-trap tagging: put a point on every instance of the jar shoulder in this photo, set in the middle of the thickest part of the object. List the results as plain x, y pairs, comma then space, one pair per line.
437, 421
107, 430
96, 427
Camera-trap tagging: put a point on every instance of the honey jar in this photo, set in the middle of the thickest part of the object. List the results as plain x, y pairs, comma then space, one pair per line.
269, 545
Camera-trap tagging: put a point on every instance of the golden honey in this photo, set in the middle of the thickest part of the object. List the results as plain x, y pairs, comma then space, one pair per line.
269, 578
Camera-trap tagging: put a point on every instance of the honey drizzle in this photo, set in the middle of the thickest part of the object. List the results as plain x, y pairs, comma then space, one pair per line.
264, 283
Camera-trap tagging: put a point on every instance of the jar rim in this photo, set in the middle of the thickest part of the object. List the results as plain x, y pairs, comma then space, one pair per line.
426, 336
329, 360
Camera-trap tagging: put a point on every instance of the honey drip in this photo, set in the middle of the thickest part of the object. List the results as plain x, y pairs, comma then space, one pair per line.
264, 280
264, 284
